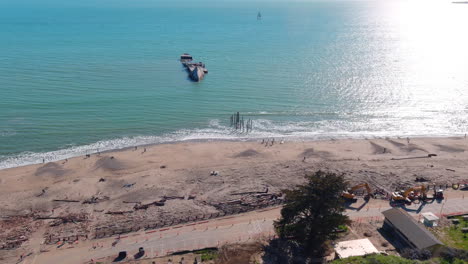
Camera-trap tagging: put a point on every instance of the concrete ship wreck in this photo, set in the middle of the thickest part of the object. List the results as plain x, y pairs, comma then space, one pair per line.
196, 70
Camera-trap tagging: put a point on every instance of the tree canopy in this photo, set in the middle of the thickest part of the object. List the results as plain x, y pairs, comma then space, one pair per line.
313, 211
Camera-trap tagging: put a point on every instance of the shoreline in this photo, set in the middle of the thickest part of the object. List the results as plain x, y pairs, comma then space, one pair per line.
170, 183
34, 158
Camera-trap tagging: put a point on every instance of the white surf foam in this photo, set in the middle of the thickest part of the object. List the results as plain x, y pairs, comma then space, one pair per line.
216, 130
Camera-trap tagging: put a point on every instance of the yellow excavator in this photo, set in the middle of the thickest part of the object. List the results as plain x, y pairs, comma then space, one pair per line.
350, 196
409, 195
416, 193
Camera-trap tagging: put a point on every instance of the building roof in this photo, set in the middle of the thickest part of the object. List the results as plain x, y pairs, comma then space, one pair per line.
430, 216
410, 228
351, 248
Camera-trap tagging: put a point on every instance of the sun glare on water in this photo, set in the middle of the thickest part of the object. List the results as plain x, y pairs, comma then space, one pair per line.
431, 54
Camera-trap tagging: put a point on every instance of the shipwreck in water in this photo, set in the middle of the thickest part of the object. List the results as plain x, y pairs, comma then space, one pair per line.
196, 70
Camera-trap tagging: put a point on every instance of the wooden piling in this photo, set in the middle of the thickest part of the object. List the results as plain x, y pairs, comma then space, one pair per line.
240, 123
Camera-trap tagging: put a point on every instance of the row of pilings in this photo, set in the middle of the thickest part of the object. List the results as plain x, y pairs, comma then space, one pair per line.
239, 124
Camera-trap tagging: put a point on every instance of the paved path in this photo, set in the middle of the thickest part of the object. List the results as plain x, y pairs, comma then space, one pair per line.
213, 233
446, 207
239, 228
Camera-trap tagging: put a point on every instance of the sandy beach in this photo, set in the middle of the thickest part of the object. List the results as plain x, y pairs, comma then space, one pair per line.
137, 188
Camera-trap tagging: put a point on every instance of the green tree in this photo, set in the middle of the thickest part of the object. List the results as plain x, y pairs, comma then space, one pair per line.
312, 212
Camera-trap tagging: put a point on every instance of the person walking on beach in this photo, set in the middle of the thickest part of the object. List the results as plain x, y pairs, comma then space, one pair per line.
407, 139
43, 160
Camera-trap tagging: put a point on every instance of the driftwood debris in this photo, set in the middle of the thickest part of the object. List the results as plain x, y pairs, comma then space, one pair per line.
146, 206
421, 179
245, 193
42, 192
419, 157
58, 220
174, 197
238, 201
47, 217
65, 201
118, 212
96, 199
187, 197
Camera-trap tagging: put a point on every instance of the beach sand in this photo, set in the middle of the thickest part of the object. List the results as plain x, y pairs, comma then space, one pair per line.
180, 174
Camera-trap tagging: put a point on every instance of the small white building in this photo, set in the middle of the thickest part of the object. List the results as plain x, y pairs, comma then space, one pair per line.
429, 219
351, 248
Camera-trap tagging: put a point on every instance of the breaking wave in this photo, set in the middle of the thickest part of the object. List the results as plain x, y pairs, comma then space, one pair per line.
216, 130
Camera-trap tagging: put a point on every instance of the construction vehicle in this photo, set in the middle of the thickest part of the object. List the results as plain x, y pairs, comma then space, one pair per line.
439, 194
409, 195
418, 193
350, 196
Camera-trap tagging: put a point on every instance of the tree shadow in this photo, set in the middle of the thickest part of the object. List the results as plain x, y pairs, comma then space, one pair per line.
348, 205
280, 251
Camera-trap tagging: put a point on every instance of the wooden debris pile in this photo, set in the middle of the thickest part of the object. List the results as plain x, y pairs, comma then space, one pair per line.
249, 202
65, 228
140, 206
15, 230
96, 199
119, 224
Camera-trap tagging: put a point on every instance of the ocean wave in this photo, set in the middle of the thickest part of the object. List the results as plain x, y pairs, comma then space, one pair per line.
7, 133
216, 130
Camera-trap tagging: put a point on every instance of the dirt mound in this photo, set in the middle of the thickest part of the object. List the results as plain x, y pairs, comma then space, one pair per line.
396, 144
110, 164
51, 168
404, 147
310, 152
450, 149
248, 153
378, 149
413, 147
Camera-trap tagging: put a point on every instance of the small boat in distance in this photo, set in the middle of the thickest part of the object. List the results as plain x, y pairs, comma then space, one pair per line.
196, 71
259, 16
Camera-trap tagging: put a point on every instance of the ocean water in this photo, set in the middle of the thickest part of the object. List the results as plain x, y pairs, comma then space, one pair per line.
76, 79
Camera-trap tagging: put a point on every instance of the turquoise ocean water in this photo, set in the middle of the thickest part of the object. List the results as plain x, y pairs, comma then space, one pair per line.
105, 75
